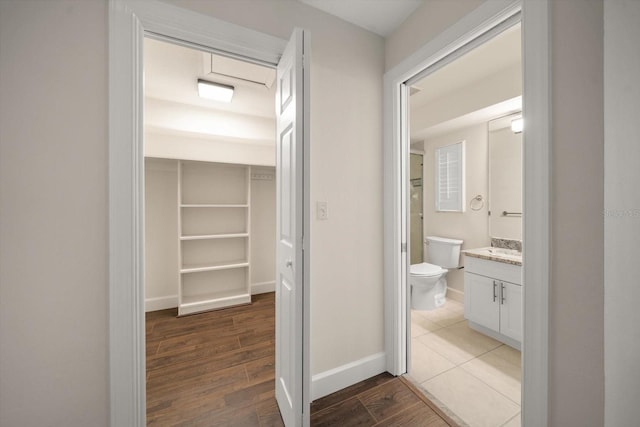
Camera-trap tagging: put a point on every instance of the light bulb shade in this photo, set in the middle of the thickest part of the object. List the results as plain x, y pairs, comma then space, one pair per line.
215, 91
517, 125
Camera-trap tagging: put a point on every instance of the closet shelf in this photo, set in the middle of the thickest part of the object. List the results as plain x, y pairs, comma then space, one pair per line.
214, 236
209, 280
212, 206
196, 268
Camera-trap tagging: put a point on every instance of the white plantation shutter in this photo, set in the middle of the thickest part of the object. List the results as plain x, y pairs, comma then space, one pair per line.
450, 178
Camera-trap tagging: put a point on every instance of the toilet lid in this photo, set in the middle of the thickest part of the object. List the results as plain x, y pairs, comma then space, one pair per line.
425, 269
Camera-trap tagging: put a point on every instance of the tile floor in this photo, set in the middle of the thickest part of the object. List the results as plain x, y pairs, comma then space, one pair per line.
474, 377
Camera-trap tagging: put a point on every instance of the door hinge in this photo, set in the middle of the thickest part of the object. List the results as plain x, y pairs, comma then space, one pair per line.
403, 248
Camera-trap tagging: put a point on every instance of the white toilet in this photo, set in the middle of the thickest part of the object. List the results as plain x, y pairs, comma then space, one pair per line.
428, 280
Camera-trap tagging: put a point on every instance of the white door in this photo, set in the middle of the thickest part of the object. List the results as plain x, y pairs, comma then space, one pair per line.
291, 130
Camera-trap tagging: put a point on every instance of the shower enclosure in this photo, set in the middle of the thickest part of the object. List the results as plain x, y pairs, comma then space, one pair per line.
417, 239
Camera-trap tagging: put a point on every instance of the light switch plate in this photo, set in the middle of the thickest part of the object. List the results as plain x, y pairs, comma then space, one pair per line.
322, 210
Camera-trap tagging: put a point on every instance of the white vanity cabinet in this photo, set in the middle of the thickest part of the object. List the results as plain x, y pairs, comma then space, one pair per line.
493, 299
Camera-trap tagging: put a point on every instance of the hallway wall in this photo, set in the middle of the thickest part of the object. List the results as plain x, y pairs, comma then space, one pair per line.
576, 319
53, 226
621, 211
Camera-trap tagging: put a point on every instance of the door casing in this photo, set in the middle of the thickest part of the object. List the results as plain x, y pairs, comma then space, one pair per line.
535, 18
129, 22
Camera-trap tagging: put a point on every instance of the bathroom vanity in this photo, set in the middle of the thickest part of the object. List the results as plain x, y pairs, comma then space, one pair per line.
493, 293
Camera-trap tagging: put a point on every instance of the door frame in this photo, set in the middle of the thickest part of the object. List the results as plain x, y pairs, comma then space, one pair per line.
535, 18
129, 22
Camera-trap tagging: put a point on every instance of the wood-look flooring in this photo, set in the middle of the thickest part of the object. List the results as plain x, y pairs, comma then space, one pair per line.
218, 369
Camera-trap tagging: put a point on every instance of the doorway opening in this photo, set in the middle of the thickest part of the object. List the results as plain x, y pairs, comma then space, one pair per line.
462, 353
473, 30
129, 23
210, 227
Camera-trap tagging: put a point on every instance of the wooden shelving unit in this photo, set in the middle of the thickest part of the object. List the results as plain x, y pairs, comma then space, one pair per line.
214, 223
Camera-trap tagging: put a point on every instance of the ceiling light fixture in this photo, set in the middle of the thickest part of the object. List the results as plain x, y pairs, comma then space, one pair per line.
215, 91
517, 125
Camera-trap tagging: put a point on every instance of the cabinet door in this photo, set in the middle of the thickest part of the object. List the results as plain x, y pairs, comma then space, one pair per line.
511, 311
481, 300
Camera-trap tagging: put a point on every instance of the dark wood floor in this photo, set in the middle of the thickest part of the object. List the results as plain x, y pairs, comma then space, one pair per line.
217, 369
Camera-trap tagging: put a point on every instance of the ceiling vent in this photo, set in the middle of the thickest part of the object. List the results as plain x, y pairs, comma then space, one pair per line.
220, 67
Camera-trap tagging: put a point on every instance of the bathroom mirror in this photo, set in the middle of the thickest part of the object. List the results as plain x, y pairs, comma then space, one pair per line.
505, 177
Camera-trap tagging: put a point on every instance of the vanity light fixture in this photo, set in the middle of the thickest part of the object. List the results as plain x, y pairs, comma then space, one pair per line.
517, 125
215, 91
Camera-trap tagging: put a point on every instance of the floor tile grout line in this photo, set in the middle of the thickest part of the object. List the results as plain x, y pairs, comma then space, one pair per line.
375, 420
487, 351
466, 361
422, 384
443, 356
504, 358
501, 358
490, 386
454, 364
435, 376
512, 418
430, 403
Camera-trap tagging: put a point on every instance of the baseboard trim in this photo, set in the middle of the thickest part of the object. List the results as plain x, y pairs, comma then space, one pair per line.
171, 301
160, 303
455, 295
263, 287
335, 379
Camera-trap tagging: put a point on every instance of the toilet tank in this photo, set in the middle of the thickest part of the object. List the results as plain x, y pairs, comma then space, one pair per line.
443, 251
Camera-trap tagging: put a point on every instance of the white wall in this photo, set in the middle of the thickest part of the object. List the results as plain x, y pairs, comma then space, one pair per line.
53, 225
207, 123
622, 211
470, 226
263, 227
576, 350
429, 20
179, 145
179, 131
501, 86
161, 261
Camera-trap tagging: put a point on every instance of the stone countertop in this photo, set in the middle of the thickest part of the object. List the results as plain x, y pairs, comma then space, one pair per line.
496, 254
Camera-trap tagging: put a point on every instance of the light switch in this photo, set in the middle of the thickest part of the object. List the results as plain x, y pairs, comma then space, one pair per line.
322, 210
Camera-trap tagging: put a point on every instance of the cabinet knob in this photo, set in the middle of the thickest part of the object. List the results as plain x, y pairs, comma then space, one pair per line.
288, 263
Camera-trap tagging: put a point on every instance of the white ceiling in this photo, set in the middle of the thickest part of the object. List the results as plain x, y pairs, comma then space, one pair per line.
499, 53
382, 17
503, 52
171, 73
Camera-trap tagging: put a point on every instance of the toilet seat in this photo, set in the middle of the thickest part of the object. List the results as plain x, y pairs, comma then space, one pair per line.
426, 269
